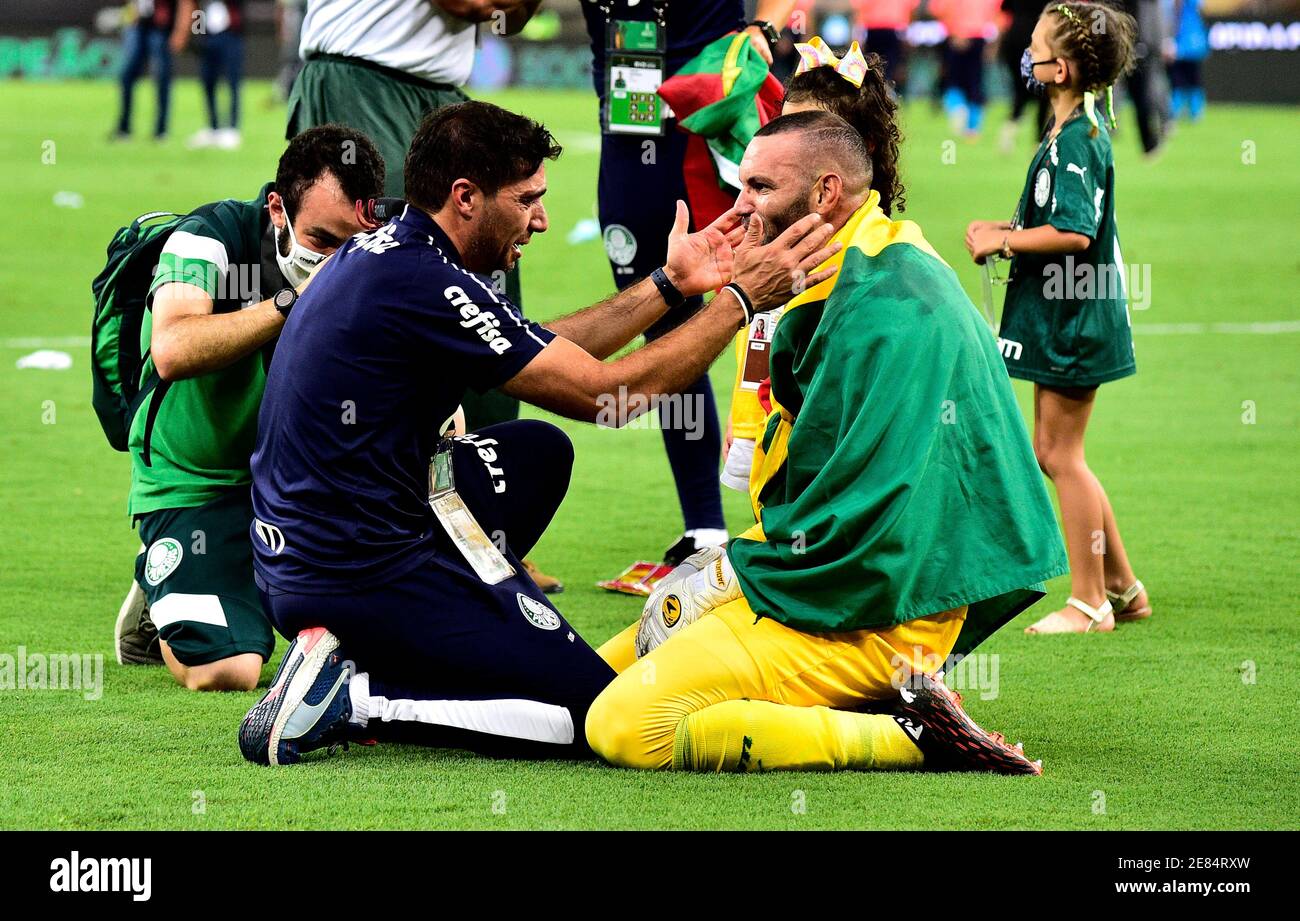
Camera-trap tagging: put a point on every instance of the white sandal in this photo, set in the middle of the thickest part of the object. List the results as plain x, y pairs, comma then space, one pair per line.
1095, 615
1121, 600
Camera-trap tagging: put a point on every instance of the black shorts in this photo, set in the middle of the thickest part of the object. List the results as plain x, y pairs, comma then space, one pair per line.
197, 574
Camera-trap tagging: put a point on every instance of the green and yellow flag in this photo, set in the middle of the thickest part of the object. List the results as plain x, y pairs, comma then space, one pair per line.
895, 478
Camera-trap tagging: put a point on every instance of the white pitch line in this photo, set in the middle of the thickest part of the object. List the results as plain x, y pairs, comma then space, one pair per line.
46, 342
1185, 329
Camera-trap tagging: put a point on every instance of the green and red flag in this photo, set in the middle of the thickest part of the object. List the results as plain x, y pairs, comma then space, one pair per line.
721, 97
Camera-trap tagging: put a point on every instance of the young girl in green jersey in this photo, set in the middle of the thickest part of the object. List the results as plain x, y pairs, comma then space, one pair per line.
1065, 322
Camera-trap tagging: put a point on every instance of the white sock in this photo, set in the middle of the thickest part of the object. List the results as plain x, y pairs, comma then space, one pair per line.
707, 537
359, 692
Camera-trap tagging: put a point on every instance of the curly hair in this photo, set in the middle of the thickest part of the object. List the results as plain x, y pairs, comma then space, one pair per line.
1098, 38
873, 113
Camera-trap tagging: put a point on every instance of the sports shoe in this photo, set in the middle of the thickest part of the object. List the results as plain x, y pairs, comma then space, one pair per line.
548, 584
675, 555
227, 139
950, 740
204, 137
307, 706
135, 638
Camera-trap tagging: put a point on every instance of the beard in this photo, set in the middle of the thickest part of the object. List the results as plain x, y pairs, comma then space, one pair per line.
489, 251
777, 223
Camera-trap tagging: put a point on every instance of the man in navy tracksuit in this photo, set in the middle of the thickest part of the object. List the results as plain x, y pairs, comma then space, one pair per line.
400, 578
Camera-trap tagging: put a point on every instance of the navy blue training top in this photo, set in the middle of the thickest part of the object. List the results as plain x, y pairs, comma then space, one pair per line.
373, 359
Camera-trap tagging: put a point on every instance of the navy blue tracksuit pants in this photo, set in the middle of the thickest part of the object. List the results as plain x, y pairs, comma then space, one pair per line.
452, 661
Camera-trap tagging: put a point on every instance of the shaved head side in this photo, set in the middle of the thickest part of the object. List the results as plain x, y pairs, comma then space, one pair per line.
828, 143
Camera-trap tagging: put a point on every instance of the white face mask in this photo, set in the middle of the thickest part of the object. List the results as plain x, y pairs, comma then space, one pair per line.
298, 264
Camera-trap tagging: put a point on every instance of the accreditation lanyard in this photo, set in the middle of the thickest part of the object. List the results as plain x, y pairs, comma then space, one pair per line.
488, 562
634, 70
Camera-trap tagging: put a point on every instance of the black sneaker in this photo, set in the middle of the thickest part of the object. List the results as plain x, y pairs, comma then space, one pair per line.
675, 555
307, 706
135, 638
931, 714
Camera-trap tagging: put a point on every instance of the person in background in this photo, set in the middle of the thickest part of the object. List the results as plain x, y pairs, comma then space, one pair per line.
220, 25
971, 25
1144, 85
1022, 17
883, 27
288, 32
1186, 52
636, 195
146, 38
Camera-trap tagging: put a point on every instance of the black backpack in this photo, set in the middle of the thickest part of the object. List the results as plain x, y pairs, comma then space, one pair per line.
120, 292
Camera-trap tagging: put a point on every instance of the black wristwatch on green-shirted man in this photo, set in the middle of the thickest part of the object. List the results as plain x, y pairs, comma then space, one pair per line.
284, 299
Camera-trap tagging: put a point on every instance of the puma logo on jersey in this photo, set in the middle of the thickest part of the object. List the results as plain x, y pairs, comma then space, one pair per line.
473, 317
1082, 171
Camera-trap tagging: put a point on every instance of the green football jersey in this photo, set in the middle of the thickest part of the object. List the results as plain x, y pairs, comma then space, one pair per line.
191, 439
1065, 321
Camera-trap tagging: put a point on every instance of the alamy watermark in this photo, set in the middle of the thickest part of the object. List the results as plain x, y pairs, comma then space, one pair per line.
1083, 281
676, 412
37, 671
975, 673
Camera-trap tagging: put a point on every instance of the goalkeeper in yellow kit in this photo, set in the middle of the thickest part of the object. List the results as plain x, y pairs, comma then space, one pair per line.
901, 516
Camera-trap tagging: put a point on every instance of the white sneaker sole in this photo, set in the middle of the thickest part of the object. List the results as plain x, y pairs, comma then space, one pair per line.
303, 677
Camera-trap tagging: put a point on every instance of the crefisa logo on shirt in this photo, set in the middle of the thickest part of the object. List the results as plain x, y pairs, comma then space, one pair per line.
484, 322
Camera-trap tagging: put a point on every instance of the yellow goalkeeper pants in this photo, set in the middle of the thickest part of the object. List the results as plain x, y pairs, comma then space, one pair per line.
735, 692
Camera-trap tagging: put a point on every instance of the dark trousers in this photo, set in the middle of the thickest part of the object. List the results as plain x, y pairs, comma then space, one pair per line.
1021, 97
891, 45
637, 194
963, 69
142, 42
491, 668
223, 58
1142, 91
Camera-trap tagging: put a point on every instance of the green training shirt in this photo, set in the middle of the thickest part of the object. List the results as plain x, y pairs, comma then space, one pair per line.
191, 439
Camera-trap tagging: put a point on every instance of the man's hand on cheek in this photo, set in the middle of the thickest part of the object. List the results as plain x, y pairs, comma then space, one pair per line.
702, 261
772, 274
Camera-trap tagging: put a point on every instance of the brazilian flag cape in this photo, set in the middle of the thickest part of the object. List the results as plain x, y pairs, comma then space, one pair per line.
895, 477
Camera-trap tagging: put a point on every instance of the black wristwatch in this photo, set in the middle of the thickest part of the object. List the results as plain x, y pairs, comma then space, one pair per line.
667, 290
284, 299
769, 31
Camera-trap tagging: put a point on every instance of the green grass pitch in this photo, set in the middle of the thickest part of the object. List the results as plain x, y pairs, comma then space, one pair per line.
1186, 721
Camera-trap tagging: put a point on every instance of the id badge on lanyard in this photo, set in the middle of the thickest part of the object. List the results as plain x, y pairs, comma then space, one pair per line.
634, 71
459, 522
758, 350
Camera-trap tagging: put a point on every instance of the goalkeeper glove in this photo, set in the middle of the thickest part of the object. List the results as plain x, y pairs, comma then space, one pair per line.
701, 583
